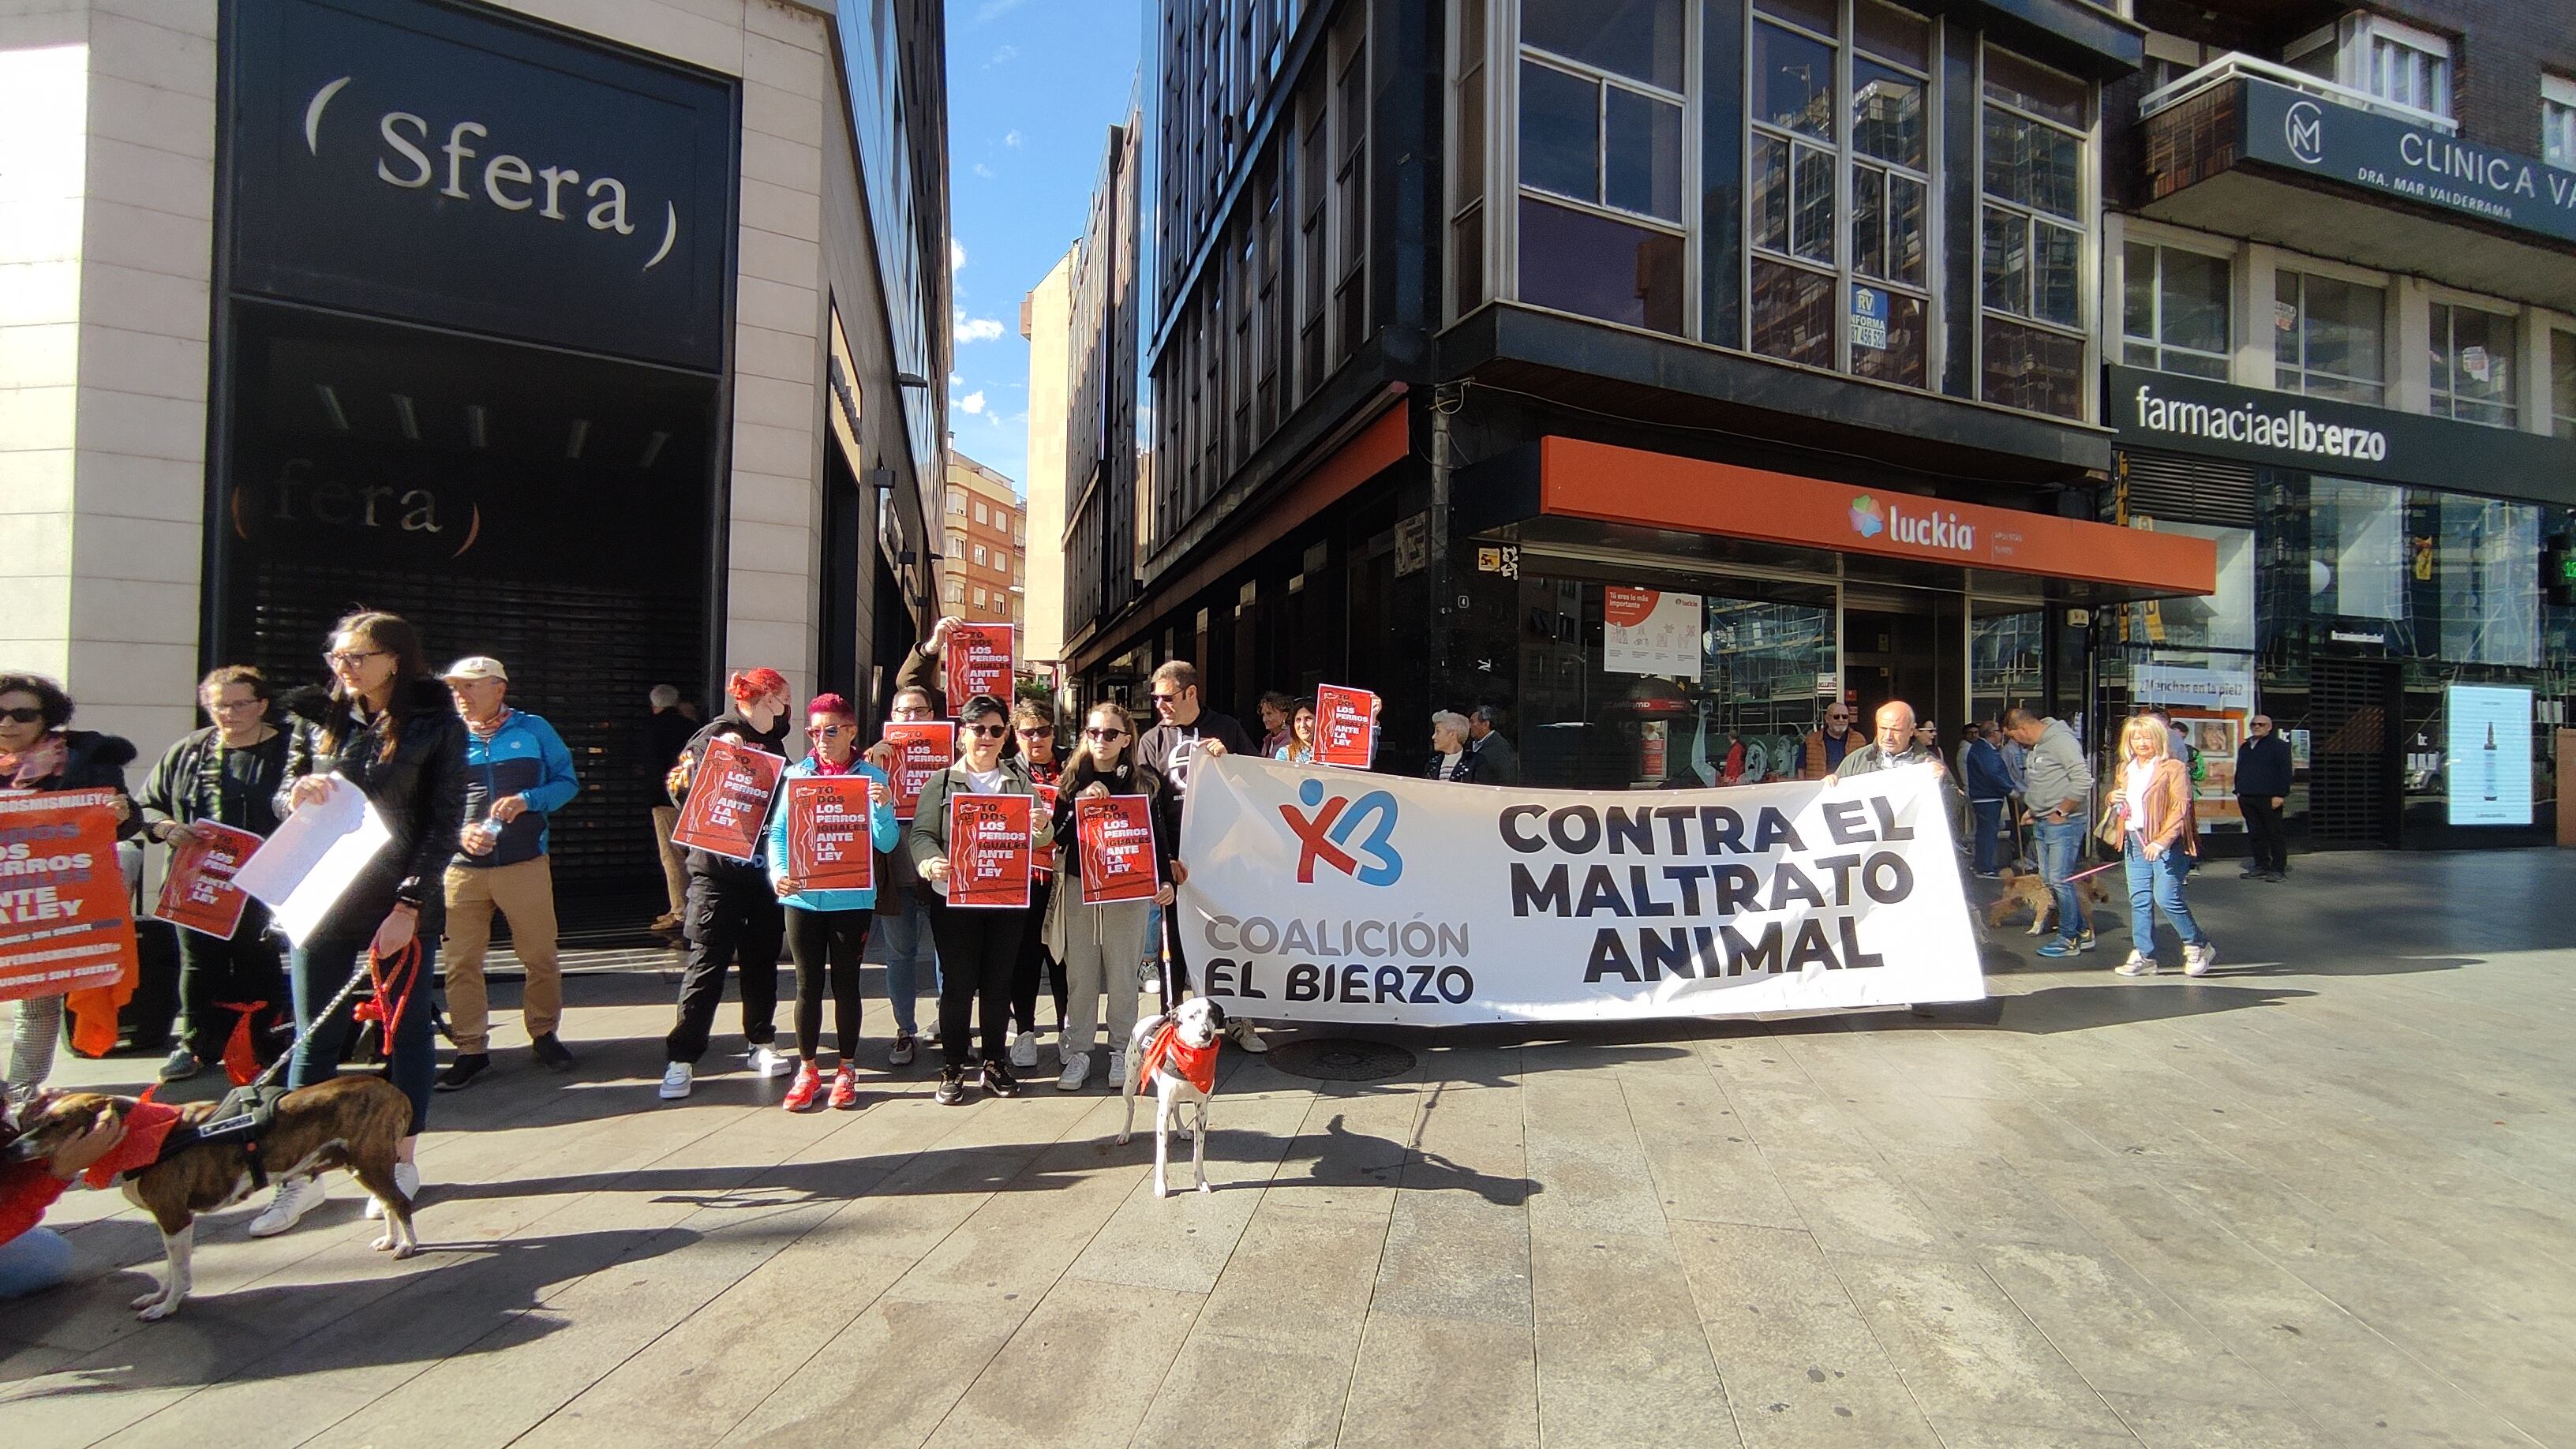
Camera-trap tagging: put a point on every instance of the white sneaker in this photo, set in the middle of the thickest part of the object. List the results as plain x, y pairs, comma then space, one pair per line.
1118, 1069
2196, 960
2137, 965
1024, 1049
1246, 1036
677, 1078
768, 1061
295, 1197
1077, 1070
406, 1177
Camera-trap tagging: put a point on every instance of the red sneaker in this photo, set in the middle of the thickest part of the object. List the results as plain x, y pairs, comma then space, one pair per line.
809, 1081
845, 1088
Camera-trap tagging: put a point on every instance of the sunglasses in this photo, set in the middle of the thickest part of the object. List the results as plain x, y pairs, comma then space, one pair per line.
22, 715
987, 732
2260, 724
1104, 736
1037, 732
833, 731
1164, 698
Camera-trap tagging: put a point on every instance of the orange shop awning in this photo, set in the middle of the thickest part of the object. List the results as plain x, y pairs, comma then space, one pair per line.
1579, 479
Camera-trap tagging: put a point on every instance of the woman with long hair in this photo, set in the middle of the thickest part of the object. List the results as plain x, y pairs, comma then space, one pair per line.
1033, 734
41, 753
977, 945
2159, 841
387, 730
827, 930
1300, 748
1099, 945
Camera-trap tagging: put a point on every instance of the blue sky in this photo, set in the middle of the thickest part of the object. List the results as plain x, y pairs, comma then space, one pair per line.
1033, 87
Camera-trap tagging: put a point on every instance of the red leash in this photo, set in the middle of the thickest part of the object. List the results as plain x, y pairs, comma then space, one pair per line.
407, 965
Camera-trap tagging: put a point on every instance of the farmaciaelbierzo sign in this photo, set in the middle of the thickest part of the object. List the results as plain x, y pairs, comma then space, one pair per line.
2382, 153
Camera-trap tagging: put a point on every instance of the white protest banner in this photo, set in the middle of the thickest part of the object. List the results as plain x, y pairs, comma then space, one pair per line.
1395, 901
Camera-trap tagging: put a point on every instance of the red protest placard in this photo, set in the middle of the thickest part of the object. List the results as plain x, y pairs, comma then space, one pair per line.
1043, 861
199, 893
729, 803
828, 844
921, 750
979, 661
989, 850
1116, 836
65, 924
1345, 726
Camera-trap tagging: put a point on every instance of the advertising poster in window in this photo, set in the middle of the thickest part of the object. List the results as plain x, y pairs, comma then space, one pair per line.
989, 852
199, 893
2490, 749
828, 846
1116, 835
979, 659
1345, 726
2213, 736
921, 749
729, 802
1649, 631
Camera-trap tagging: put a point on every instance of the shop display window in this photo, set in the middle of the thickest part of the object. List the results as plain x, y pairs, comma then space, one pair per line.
2329, 338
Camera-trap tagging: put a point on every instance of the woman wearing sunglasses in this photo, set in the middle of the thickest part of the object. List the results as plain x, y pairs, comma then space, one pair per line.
1033, 732
39, 753
979, 945
827, 931
1100, 945
389, 731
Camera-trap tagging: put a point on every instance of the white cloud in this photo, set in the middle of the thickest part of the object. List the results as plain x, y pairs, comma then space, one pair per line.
954, 379
983, 170
978, 329
956, 255
1004, 56
972, 402
995, 9
1011, 139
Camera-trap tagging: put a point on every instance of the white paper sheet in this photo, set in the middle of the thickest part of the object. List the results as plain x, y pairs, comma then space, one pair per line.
302, 870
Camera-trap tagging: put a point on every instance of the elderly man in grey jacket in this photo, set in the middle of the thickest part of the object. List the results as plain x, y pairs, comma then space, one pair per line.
2056, 782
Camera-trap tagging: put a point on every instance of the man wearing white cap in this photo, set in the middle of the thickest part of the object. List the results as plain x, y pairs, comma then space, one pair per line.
517, 772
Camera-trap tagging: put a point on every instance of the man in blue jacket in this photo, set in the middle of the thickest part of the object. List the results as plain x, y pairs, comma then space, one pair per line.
517, 772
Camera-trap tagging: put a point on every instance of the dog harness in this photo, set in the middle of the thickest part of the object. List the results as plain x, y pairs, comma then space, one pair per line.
1195, 1065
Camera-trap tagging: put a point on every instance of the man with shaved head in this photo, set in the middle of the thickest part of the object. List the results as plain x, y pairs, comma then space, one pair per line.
1894, 746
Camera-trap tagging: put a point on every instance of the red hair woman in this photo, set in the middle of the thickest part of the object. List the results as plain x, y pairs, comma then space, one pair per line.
732, 912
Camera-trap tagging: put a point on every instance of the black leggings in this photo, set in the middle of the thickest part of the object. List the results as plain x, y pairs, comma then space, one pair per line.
1033, 955
827, 944
977, 948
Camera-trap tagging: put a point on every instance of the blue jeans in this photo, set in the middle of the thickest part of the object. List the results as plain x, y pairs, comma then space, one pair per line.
1989, 817
34, 1261
908, 950
319, 968
2156, 885
2061, 854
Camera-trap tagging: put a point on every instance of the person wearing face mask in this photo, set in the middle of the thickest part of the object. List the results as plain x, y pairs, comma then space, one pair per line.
386, 729
733, 911
39, 753
977, 945
903, 900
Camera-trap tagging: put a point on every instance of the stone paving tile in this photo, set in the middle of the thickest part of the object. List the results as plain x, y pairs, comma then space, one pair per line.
1622, 1359
1965, 1352
1442, 1381
1070, 1374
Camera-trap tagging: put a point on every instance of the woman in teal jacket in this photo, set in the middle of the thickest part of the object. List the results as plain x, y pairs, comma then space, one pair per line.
827, 930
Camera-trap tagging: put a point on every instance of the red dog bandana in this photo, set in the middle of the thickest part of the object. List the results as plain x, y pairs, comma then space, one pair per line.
1195, 1065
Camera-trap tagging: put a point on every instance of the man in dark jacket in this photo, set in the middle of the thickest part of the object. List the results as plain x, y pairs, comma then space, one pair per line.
1502, 763
1189, 733
2262, 787
1990, 789
228, 774
733, 910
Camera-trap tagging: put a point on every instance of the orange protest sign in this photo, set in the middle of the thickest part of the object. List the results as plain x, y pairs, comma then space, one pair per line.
729, 803
979, 661
1345, 726
1116, 834
989, 849
921, 749
65, 922
199, 893
828, 845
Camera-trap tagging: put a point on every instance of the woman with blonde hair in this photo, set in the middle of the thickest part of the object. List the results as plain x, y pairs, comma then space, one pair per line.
2159, 841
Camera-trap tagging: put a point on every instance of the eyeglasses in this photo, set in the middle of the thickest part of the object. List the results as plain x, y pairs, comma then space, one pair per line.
1104, 736
987, 731
352, 658
225, 706
1836, 718
833, 731
1037, 732
22, 715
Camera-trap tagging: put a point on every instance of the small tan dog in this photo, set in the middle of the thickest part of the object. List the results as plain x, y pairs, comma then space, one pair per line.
353, 1122
2024, 890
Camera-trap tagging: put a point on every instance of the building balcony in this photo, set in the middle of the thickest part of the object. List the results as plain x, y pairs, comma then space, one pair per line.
2246, 148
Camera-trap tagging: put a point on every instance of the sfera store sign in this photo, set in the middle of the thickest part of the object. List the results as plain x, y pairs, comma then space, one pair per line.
2385, 154
445, 164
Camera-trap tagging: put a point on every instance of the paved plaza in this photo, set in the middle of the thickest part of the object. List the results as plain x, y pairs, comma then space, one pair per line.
2325, 1196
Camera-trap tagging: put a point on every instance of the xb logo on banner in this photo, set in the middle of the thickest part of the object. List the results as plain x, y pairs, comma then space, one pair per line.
1324, 833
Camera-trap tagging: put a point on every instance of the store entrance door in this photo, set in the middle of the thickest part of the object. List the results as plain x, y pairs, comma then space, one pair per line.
2353, 789
1917, 654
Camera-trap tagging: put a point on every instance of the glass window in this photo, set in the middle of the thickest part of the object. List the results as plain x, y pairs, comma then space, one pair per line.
1640, 39
1642, 154
2562, 384
2489, 564
2222, 621
2473, 354
2412, 69
2558, 121
1560, 132
2357, 549
982, 514
2174, 311
2032, 235
982, 600
1467, 123
1579, 261
956, 546
956, 591
2327, 338
1841, 184
980, 559
956, 503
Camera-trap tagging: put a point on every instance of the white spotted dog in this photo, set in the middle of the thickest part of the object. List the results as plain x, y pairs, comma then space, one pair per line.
1177, 1053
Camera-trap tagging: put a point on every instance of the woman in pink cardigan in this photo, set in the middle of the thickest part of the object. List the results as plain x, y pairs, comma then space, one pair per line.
2159, 841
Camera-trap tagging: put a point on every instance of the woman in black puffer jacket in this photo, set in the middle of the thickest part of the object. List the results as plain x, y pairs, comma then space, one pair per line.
37, 753
388, 729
